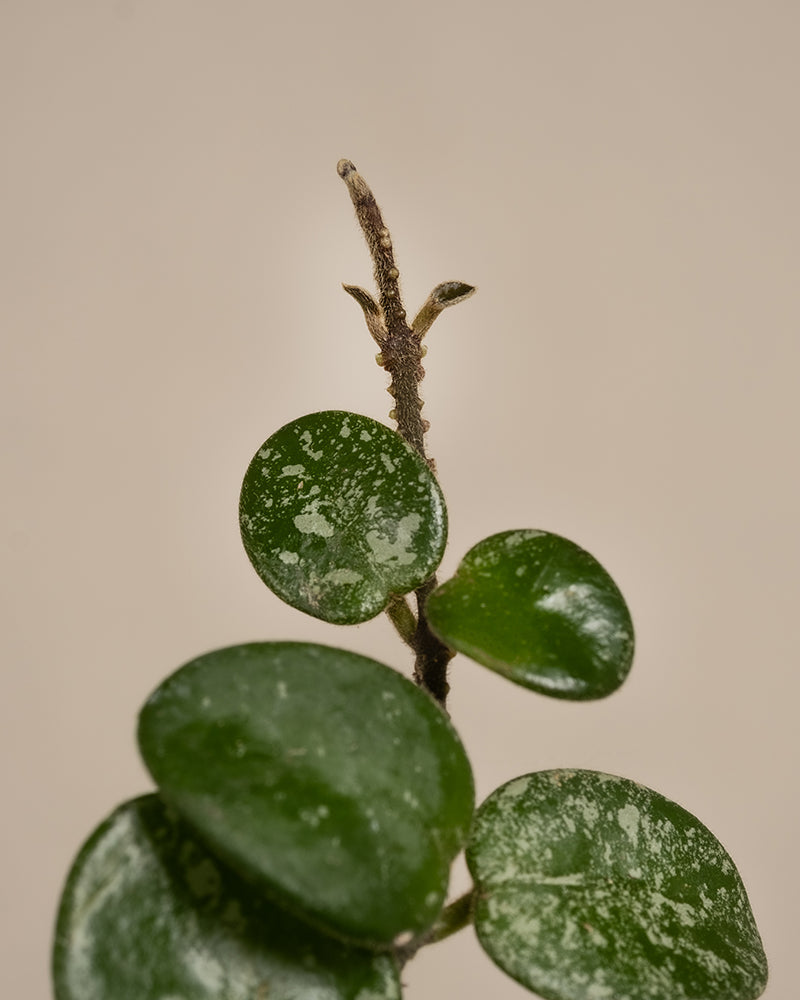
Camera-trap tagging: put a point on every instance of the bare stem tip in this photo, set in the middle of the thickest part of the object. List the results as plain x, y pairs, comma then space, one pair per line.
344, 168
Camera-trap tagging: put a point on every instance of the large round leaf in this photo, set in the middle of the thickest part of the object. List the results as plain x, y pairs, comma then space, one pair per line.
338, 514
593, 887
331, 779
148, 913
539, 610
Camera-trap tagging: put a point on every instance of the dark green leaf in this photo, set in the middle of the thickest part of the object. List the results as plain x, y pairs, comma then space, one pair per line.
148, 914
338, 514
331, 779
539, 610
593, 887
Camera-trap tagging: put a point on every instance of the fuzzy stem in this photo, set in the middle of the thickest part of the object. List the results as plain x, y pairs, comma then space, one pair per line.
401, 352
401, 355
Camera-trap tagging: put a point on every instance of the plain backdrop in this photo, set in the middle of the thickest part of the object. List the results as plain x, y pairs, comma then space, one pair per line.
619, 179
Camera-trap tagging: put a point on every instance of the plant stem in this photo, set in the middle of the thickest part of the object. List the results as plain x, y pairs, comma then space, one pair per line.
433, 656
401, 350
453, 918
402, 617
401, 355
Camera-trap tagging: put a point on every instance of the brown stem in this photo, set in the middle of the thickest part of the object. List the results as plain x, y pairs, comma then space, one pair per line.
401, 355
401, 349
430, 667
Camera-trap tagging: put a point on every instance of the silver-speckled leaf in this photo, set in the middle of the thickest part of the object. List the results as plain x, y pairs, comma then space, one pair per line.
148, 914
592, 887
338, 514
539, 610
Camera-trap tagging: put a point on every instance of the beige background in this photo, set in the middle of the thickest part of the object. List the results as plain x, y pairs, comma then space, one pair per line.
620, 179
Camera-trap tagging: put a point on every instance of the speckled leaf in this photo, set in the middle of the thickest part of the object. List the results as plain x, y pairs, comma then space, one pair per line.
591, 887
148, 914
338, 514
332, 780
540, 611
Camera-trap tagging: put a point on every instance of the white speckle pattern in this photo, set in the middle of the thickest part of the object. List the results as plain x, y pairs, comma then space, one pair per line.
314, 524
306, 442
342, 577
628, 819
410, 799
399, 550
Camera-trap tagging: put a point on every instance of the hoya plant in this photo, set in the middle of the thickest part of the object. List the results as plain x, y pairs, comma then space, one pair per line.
310, 801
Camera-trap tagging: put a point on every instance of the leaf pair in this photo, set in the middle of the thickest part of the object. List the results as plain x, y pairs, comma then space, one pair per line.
294, 779
339, 516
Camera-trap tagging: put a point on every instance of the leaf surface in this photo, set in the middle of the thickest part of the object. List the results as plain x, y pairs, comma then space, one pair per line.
332, 780
591, 887
338, 514
147, 913
539, 610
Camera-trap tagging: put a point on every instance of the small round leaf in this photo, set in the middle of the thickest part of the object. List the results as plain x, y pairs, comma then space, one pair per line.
148, 913
332, 780
338, 514
591, 887
539, 610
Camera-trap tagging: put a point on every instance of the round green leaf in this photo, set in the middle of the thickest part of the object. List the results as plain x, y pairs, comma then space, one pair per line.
539, 610
331, 779
148, 914
592, 887
338, 514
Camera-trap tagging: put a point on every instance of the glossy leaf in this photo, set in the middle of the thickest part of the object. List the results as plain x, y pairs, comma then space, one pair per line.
331, 779
540, 611
338, 514
148, 914
592, 887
